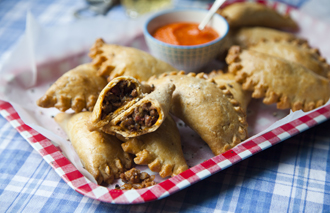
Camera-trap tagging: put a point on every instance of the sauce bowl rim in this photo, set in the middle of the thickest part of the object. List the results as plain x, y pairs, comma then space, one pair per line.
164, 12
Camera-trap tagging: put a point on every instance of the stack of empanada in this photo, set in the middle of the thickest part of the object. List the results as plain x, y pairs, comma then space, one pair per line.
126, 101
122, 110
275, 64
135, 115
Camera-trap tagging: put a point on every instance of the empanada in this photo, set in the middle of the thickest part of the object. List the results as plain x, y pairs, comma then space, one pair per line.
100, 154
293, 51
289, 84
247, 36
160, 150
144, 116
115, 60
228, 82
77, 89
207, 108
244, 14
117, 96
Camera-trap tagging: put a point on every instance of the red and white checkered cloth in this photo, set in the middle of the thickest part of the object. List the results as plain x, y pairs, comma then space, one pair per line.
78, 182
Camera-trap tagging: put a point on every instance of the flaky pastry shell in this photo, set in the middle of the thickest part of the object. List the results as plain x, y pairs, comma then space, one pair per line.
77, 89
207, 108
289, 84
160, 150
134, 122
244, 14
296, 52
101, 154
114, 60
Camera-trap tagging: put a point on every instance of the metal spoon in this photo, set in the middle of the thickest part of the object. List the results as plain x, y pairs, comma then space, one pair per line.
211, 12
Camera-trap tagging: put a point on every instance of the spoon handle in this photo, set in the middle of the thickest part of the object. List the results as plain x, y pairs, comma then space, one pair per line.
208, 16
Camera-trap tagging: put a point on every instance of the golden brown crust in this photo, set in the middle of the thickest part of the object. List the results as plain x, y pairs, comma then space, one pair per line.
115, 60
77, 89
286, 83
100, 154
159, 100
243, 14
247, 36
207, 108
227, 80
100, 116
296, 52
160, 150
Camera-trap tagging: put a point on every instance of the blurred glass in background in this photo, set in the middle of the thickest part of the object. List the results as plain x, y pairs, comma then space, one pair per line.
134, 8
95, 7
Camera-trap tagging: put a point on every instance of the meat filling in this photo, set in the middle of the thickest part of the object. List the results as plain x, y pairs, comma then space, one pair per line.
134, 179
143, 116
122, 92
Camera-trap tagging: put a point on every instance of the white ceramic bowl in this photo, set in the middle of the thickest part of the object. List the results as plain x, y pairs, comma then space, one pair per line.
187, 58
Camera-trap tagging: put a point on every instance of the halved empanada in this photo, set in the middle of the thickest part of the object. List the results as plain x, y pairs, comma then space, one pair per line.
207, 108
247, 36
227, 81
243, 14
296, 52
144, 116
115, 60
117, 96
289, 84
77, 89
100, 154
160, 150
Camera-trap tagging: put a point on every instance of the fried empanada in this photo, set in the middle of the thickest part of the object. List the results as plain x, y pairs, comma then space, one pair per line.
160, 150
228, 82
296, 52
100, 154
114, 60
117, 96
247, 36
244, 14
289, 84
77, 89
144, 116
207, 108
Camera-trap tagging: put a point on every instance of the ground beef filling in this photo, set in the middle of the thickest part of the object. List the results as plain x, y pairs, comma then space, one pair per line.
121, 93
142, 117
134, 179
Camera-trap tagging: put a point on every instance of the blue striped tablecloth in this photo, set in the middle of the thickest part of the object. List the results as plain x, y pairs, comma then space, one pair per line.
293, 176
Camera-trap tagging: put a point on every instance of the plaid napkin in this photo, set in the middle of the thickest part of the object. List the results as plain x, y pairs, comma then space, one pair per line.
293, 176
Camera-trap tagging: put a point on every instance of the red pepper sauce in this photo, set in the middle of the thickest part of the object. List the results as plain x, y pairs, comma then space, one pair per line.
185, 33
